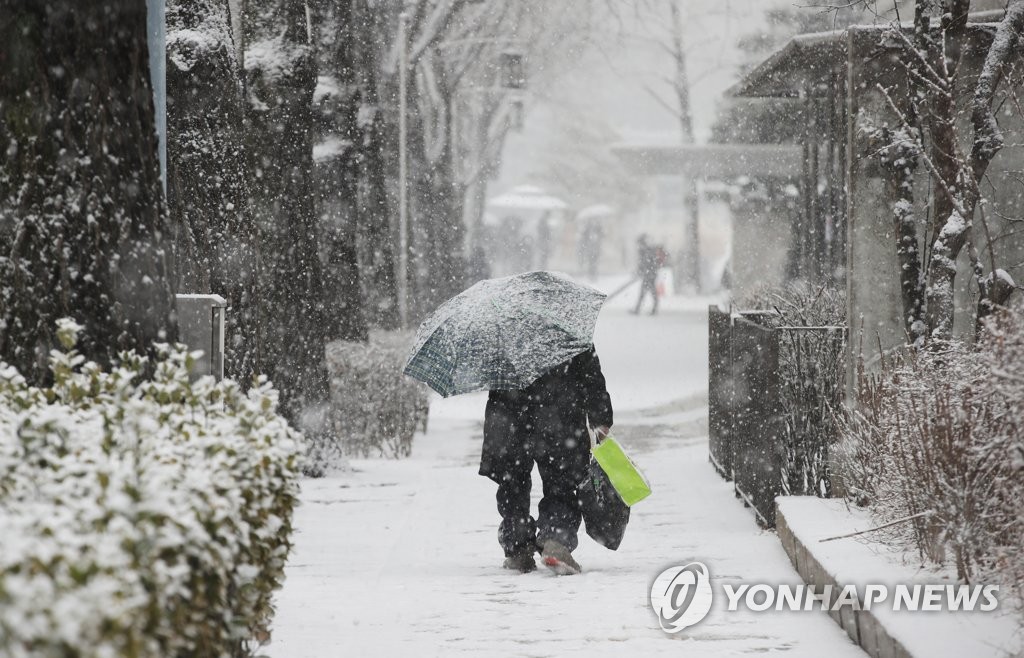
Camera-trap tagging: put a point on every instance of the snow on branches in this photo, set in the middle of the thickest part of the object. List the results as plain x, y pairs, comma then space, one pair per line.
929, 131
937, 435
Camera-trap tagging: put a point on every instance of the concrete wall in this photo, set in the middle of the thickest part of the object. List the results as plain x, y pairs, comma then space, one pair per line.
762, 236
873, 295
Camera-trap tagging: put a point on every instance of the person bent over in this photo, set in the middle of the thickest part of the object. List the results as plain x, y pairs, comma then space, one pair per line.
545, 423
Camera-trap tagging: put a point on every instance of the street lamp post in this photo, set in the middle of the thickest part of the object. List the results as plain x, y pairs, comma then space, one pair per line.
403, 172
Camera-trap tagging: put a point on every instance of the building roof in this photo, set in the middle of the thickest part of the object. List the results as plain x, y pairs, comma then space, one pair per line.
806, 60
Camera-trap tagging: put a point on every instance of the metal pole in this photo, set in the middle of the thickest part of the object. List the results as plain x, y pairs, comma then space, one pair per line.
156, 28
403, 171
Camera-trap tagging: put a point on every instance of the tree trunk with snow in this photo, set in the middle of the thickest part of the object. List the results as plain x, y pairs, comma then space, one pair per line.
82, 221
282, 71
995, 288
340, 103
437, 197
899, 159
375, 237
933, 60
951, 223
377, 242
208, 192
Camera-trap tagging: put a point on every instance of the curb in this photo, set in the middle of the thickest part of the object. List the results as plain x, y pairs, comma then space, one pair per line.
863, 627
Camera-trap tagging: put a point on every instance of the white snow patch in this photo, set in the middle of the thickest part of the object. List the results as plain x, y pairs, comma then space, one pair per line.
273, 57
330, 148
861, 561
326, 87
954, 226
186, 47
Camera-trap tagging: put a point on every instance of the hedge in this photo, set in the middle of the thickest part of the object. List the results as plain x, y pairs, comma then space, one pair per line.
141, 514
375, 408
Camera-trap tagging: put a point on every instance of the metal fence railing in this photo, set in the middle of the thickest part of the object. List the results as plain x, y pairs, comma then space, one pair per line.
772, 390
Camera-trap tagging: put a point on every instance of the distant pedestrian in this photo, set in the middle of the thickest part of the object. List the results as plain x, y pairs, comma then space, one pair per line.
590, 247
544, 423
543, 242
647, 265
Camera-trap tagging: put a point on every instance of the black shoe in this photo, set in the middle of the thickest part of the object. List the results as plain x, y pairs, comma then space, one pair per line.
521, 561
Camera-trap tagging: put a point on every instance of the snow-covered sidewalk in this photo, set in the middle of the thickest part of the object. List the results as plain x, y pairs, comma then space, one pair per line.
401, 557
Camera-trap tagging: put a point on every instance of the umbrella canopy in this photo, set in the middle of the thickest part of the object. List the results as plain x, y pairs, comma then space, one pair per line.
503, 334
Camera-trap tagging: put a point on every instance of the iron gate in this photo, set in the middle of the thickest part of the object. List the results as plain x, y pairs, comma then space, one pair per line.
765, 425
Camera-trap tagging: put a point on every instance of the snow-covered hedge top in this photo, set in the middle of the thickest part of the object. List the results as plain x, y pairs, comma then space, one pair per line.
139, 515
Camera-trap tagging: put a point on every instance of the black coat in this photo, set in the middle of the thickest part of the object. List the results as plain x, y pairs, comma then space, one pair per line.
549, 417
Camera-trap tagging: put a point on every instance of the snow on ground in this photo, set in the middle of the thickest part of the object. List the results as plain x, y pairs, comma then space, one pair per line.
401, 557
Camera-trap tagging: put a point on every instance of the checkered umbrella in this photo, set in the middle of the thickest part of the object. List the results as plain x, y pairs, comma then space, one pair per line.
504, 333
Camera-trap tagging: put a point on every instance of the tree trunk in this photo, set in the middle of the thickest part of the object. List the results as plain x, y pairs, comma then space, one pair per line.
995, 289
215, 234
900, 160
341, 136
439, 265
690, 259
378, 252
282, 64
82, 221
951, 224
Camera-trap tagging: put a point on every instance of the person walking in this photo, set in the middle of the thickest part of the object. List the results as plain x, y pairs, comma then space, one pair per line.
545, 423
647, 265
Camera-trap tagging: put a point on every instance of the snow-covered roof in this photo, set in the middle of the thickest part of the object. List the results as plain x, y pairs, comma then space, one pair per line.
808, 60
527, 197
805, 59
595, 211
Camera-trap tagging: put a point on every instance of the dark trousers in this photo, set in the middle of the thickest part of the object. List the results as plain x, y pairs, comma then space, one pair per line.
561, 470
648, 285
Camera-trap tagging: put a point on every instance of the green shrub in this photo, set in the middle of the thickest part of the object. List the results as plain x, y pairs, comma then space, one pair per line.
375, 408
140, 514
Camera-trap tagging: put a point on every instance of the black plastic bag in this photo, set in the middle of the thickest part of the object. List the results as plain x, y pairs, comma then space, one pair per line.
604, 513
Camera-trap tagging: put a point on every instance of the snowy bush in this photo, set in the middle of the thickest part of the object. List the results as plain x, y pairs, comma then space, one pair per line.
140, 515
375, 408
936, 443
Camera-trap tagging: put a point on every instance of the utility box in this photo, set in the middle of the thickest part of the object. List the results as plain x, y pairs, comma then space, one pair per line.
201, 327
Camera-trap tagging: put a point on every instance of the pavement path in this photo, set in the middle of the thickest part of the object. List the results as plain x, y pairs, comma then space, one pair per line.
401, 558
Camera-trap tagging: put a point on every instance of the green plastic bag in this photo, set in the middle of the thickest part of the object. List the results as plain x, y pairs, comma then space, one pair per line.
621, 471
